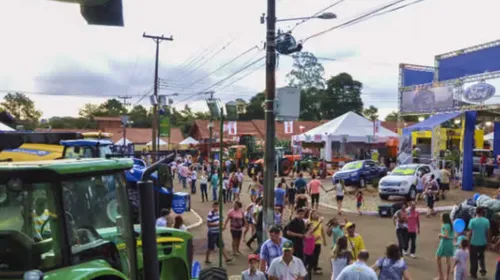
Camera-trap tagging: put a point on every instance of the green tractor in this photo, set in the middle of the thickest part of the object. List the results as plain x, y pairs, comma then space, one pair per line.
57, 226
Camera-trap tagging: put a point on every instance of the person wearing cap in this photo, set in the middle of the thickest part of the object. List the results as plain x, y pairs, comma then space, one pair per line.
356, 242
287, 266
271, 248
253, 272
359, 270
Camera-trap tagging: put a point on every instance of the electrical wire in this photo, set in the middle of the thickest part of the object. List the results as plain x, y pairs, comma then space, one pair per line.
222, 66
317, 13
224, 79
243, 77
350, 22
209, 58
391, 10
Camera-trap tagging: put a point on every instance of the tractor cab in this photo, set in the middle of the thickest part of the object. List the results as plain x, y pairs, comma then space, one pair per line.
86, 148
58, 225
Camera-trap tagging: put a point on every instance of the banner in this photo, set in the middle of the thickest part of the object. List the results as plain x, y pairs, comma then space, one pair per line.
404, 153
427, 100
164, 126
288, 127
231, 128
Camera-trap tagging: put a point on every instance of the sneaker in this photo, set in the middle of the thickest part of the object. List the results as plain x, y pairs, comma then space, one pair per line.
413, 256
405, 253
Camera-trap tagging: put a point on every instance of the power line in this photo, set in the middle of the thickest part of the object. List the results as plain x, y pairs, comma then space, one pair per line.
357, 20
226, 78
391, 10
317, 13
209, 58
222, 66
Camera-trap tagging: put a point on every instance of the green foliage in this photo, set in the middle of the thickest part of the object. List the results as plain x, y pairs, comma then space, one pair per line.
254, 108
307, 72
393, 117
22, 108
70, 123
371, 113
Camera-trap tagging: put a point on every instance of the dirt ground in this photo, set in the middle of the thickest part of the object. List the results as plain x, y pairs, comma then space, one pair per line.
377, 233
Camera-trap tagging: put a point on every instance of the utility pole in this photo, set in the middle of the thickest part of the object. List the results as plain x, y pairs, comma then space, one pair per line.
155, 138
210, 129
124, 120
269, 156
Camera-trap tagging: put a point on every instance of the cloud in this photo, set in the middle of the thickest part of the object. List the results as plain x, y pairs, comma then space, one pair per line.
54, 51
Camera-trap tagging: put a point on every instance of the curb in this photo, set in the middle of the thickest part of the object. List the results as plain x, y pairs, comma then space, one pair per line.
375, 213
198, 223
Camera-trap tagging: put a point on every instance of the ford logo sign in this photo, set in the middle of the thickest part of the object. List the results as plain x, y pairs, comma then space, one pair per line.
479, 92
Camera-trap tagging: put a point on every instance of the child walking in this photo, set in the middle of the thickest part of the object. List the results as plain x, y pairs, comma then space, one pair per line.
461, 257
359, 201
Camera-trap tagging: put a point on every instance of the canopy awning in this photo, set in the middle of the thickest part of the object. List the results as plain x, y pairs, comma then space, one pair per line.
431, 122
189, 141
4, 127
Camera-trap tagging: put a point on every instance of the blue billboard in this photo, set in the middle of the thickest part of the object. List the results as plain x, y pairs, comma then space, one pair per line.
475, 60
412, 75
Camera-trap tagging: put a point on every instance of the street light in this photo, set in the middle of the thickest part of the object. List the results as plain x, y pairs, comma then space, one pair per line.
325, 15
421, 119
457, 121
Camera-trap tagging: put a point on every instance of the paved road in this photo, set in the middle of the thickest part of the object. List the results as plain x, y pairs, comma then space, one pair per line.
377, 233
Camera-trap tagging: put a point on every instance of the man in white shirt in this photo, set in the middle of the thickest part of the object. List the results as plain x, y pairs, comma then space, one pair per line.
287, 266
358, 270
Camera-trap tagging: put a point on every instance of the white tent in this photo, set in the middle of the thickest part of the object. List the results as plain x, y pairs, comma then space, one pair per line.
4, 127
158, 141
489, 137
189, 141
123, 142
350, 127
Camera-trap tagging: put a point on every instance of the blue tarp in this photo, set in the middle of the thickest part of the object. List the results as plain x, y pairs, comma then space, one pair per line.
430, 123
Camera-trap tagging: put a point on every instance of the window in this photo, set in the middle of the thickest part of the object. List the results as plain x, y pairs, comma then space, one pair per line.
91, 206
424, 170
29, 224
370, 164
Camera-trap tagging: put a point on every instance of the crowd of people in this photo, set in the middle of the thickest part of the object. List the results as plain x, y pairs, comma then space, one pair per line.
299, 234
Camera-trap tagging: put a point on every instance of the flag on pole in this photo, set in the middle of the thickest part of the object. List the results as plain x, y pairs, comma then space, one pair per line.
288, 127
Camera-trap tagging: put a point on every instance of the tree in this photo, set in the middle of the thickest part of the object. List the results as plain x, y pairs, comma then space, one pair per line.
88, 110
310, 100
371, 113
112, 107
307, 72
140, 117
22, 108
69, 122
255, 108
342, 95
393, 117
241, 106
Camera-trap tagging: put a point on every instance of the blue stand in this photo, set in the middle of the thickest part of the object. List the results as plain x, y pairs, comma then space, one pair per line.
468, 146
496, 142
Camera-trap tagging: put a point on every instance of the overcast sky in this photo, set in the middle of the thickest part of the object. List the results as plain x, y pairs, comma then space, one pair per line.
48, 51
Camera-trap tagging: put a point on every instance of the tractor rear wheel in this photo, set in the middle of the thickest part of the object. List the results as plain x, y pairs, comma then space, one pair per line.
213, 273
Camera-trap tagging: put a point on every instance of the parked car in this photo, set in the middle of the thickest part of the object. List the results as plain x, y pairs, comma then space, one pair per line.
358, 173
402, 181
490, 161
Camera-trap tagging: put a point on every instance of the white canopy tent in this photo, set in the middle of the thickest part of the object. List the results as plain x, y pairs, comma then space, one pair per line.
4, 127
350, 127
189, 141
489, 137
158, 141
123, 142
